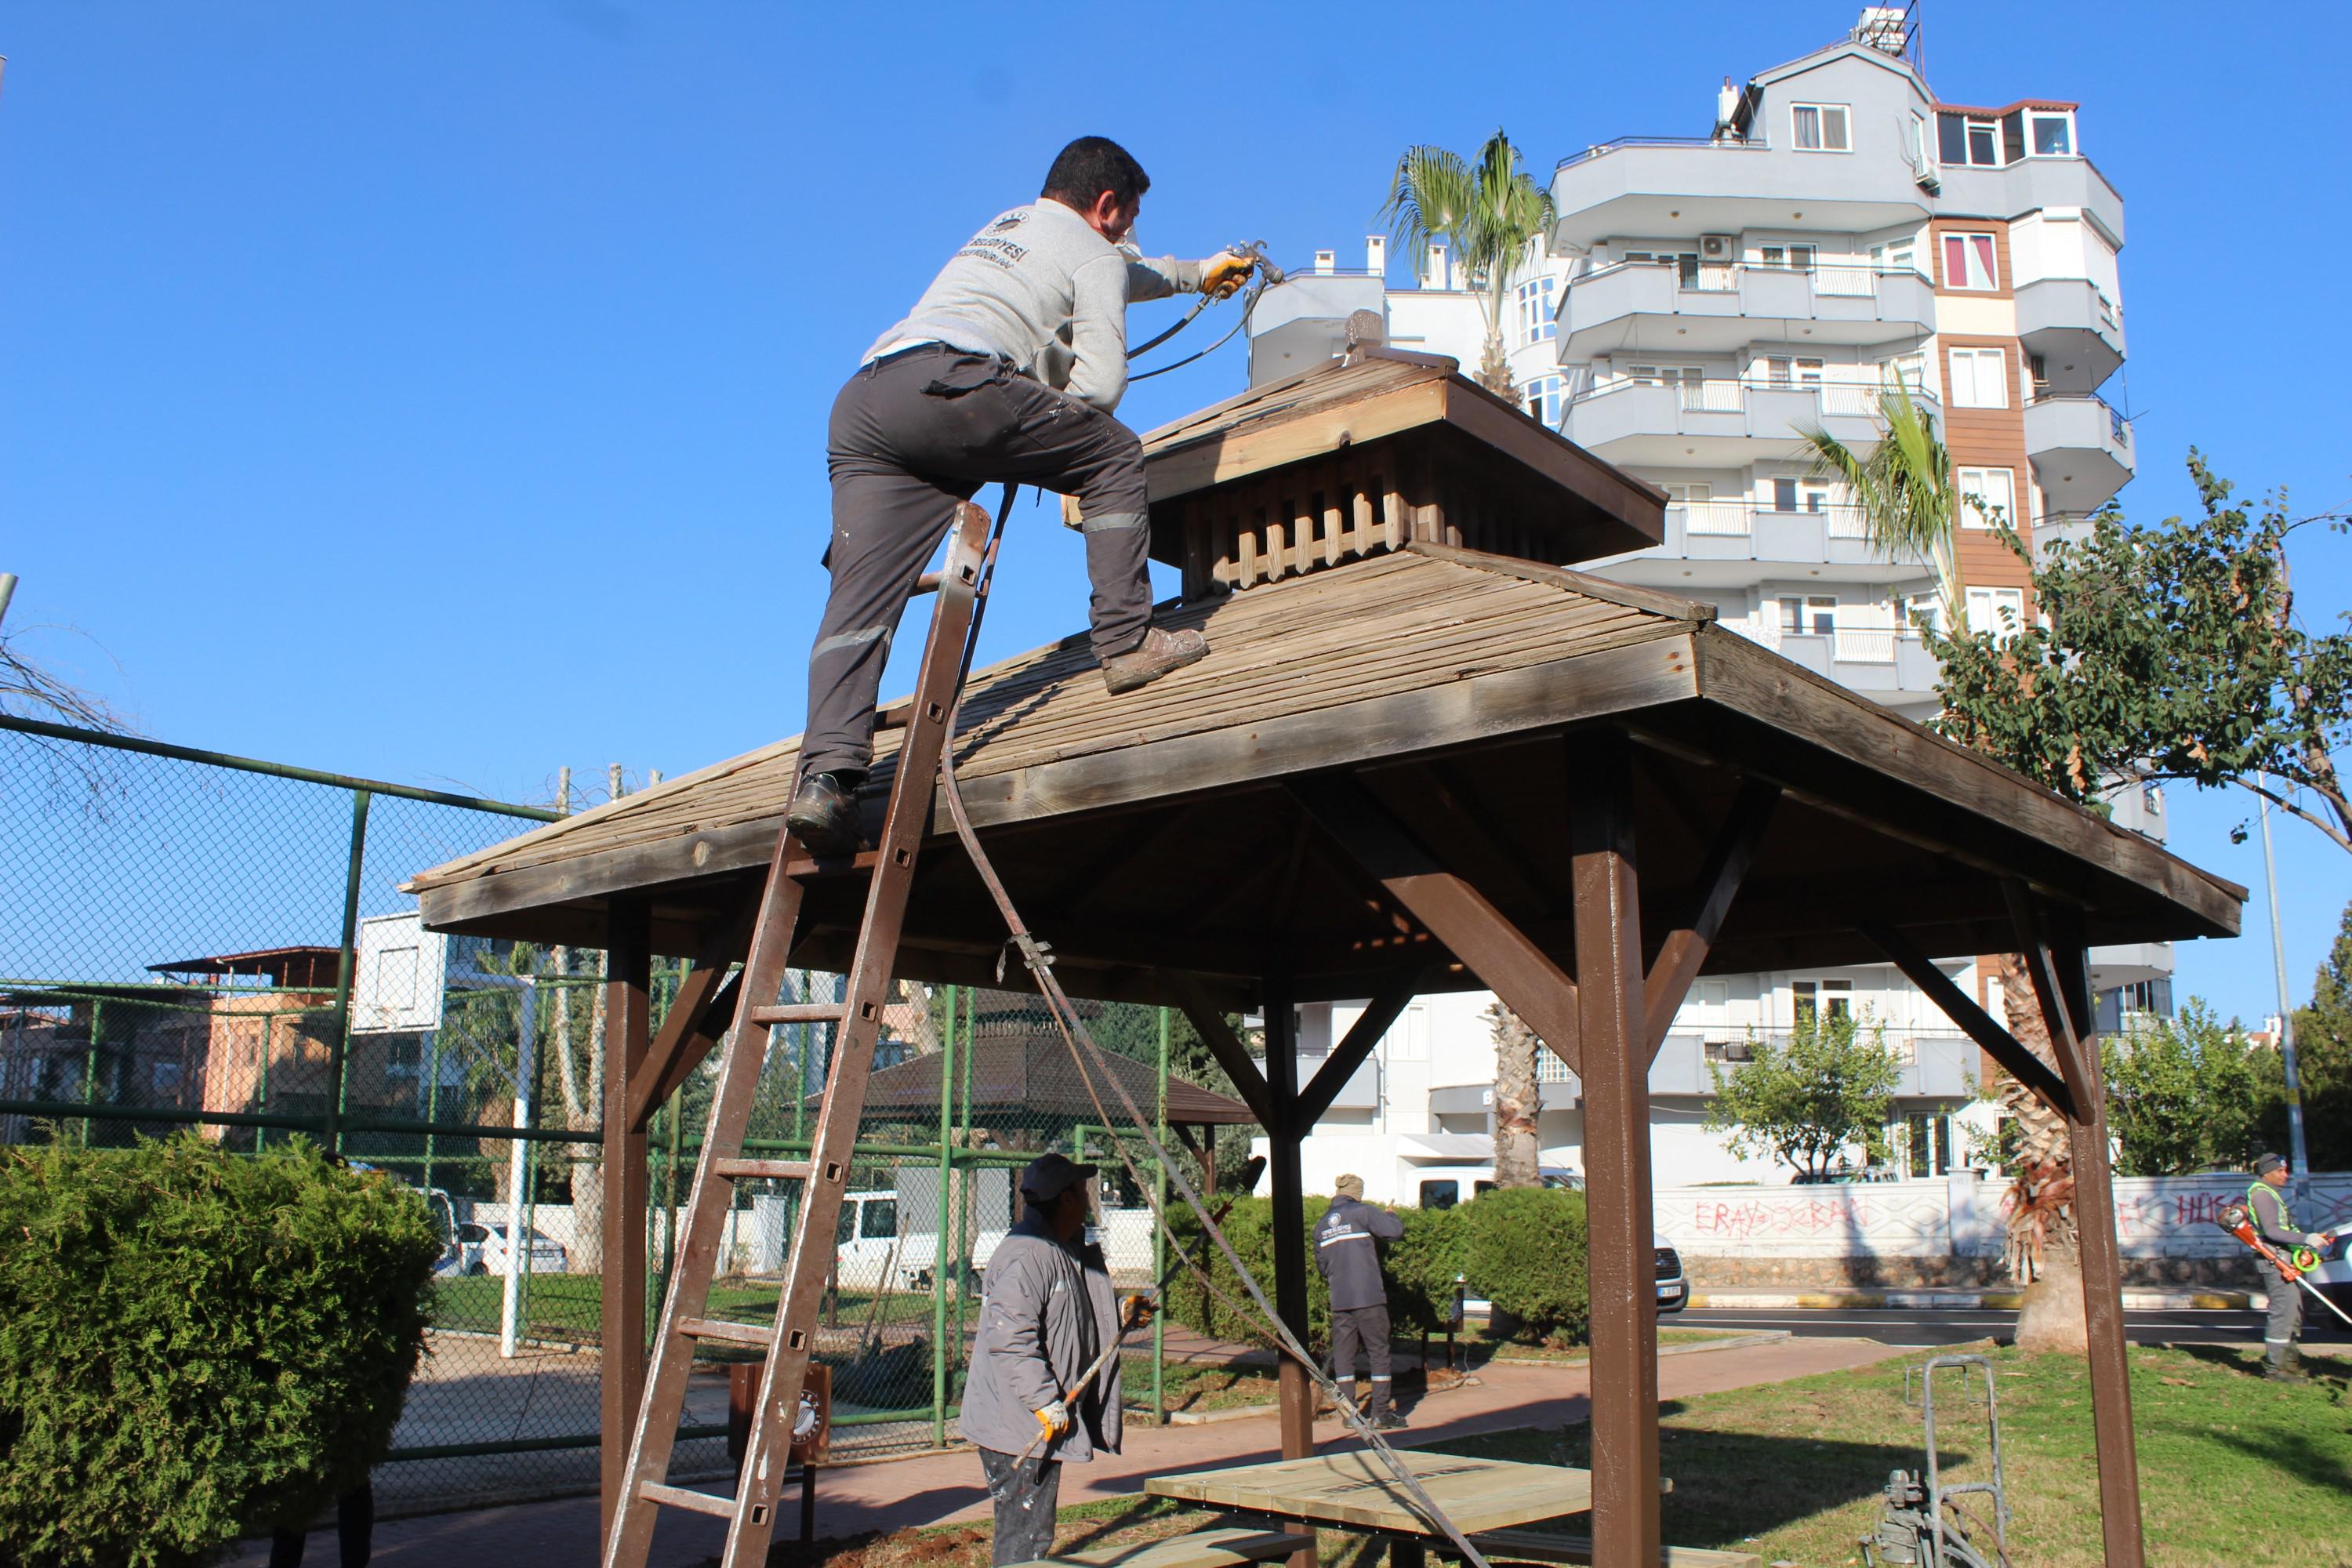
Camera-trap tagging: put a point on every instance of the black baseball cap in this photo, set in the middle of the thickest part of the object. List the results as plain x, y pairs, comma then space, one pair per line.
2266, 1164
1050, 1175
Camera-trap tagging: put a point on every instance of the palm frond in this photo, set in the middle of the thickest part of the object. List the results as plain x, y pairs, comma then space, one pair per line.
1487, 210
1904, 487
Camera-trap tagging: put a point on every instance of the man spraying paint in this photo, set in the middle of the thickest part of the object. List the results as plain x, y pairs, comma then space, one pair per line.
2266, 1207
1048, 1316
1007, 371
1347, 1254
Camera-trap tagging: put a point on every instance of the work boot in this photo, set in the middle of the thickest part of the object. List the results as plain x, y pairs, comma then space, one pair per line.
823, 814
1159, 652
1390, 1421
2287, 1368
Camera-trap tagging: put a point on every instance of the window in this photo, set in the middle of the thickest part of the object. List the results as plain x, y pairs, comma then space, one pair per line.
1544, 401
1927, 1146
1996, 612
1923, 610
1794, 257
1440, 1194
1977, 379
1985, 492
1911, 369
1820, 127
1800, 495
2053, 136
878, 1218
1969, 262
1895, 256
1538, 318
1811, 999
1780, 370
1666, 376
1808, 614
1964, 138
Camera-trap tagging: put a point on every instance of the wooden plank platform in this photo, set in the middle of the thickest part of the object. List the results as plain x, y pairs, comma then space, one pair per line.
1542, 1546
1356, 1492
1227, 1547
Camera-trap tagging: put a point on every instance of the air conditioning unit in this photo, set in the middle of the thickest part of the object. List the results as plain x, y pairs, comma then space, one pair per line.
1717, 246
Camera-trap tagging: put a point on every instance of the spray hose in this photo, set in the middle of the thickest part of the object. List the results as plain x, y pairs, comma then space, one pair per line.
1073, 1030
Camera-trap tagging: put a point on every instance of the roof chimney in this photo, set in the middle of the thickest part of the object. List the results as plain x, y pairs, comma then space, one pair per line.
1432, 274
1376, 255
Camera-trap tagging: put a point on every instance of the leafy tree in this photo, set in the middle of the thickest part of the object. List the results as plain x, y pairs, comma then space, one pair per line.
2187, 1095
2164, 652
1905, 487
1488, 210
1830, 1086
2323, 1046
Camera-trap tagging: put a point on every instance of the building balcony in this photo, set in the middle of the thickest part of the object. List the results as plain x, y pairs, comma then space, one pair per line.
1670, 184
1890, 666
2081, 450
1305, 322
2129, 964
2033, 184
1723, 307
1718, 543
1931, 1064
2075, 327
1719, 424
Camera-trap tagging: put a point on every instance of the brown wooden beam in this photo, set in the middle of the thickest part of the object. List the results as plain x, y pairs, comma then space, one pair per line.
1457, 912
698, 1015
628, 1031
2095, 1226
1961, 1008
1686, 946
1443, 819
1337, 1067
1616, 1076
1296, 1399
1231, 1054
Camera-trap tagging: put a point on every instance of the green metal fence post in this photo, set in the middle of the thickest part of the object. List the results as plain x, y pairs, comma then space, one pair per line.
431, 1105
339, 1039
89, 1069
940, 1229
1159, 1240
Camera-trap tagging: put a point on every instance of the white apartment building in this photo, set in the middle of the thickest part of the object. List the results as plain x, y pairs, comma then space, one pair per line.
1700, 301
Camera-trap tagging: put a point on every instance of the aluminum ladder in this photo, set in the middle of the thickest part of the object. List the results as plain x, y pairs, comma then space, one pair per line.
750, 1513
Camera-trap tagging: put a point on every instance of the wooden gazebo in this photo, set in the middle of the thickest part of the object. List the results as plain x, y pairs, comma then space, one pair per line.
1417, 758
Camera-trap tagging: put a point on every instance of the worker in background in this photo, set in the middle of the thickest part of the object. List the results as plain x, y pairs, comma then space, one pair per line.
1047, 1314
1348, 1253
2266, 1203
1008, 370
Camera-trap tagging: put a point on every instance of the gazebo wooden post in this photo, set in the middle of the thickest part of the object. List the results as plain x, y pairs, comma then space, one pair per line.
1613, 1045
1297, 1390
629, 1033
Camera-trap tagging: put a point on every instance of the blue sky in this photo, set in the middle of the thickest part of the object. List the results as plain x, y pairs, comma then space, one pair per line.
438, 392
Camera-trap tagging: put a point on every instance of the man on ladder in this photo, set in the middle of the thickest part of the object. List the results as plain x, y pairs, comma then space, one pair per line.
1007, 371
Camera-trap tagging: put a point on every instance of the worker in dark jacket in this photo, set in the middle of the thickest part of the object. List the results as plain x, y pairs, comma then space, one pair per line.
2266, 1204
1348, 1253
1047, 1315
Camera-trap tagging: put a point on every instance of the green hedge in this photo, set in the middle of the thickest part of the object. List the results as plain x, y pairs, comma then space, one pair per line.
193, 1344
1420, 1269
1526, 1252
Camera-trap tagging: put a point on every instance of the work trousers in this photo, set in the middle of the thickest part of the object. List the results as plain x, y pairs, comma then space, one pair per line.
1026, 1496
2284, 1325
912, 434
1367, 1327
354, 1532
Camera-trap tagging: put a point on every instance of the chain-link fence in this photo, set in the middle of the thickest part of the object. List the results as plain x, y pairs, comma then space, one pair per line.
193, 940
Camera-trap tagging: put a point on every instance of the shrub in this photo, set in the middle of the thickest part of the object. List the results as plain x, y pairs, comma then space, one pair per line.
1419, 1269
193, 1344
1525, 1253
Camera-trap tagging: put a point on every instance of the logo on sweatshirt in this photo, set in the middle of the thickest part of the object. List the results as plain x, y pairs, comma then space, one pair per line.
1008, 223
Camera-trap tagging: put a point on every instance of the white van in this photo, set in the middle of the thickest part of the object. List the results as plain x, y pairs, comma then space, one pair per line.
1443, 1187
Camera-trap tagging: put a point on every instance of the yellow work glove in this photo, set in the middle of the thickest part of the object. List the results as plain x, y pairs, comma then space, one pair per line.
1137, 1310
1225, 272
1054, 1418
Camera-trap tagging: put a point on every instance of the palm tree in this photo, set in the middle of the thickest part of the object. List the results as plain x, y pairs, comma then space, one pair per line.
1905, 488
1487, 210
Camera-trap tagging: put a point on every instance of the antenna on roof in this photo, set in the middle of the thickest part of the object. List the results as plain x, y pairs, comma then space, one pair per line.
1897, 30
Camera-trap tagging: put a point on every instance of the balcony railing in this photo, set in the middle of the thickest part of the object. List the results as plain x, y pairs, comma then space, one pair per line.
1603, 148
1736, 518
2118, 427
1725, 395
1860, 281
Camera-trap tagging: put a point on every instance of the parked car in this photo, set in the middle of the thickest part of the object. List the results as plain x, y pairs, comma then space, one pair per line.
542, 1254
1443, 1187
1674, 1288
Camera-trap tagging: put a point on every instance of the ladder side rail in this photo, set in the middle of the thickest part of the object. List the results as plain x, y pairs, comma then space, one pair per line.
907, 819
708, 1203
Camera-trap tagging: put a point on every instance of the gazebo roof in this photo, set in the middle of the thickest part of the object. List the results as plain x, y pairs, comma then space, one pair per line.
1033, 1073
1155, 832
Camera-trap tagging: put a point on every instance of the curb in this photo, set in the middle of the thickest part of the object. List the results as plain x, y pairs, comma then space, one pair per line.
1992, 1300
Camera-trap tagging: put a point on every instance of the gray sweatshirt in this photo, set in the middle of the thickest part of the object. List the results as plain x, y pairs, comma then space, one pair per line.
1048, 1313
1041, 289
1347, 1250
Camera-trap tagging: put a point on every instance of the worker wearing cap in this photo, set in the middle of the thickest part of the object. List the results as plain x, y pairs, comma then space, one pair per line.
1347, 1254
2266, 1205
1047, 1315
1007, 371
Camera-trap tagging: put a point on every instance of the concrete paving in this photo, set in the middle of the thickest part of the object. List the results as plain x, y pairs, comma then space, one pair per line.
935, 1488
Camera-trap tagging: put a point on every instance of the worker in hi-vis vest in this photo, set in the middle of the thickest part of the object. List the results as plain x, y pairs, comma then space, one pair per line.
1006, 371
2266, 1205
1347, 1254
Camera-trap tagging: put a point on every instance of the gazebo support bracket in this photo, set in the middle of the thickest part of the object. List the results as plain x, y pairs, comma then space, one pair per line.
1684, 950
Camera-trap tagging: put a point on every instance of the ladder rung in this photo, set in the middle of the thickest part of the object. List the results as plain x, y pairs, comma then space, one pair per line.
894, 717
711, 1503
806, 865
928, 583
720, 1329
801, 1012
763, 1170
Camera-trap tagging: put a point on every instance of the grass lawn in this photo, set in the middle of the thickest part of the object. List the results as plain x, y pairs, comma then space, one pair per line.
1484, 1345
570, 1306
2234, 1469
